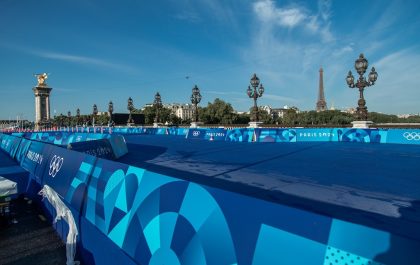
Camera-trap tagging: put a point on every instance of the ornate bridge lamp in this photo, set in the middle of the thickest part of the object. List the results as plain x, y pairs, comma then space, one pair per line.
94, 112
77, 116
361, 65
255, 94
195, 99
69, 118
130, 107
157, 104
110, 111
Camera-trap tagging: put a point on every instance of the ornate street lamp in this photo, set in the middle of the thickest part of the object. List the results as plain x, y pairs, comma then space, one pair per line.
361, 65
110, 111
78, 115
130, 107
255, 94
158, 104
94, 112
195, 99
69, 118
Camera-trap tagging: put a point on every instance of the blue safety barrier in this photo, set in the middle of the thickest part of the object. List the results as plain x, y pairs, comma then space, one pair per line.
99, 148
206, 134
143, 217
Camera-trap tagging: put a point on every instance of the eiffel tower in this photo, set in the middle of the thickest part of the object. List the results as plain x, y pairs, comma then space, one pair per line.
321, 104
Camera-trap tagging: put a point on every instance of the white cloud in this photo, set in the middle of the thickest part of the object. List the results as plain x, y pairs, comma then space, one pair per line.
396, 89
294, 16
289, 17
343, 50
83, 60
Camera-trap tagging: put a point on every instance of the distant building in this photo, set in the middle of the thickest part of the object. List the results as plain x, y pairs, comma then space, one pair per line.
321, 104
276, 112
182, 111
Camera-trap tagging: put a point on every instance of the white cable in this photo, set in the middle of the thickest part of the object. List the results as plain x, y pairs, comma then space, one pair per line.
63, 212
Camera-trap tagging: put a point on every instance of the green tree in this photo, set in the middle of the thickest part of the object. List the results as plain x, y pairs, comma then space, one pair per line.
218, 112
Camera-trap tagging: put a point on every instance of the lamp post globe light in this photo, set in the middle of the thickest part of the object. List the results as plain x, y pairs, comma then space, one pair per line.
94, 112
361, 65
158, 104
195, 99
130, 107
110, 111
255, 93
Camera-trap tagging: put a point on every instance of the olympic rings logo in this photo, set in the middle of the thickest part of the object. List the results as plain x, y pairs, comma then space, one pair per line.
196, 133
55, 165
412, 136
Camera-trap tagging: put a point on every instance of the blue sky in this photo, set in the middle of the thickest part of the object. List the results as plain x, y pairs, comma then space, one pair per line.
98, 51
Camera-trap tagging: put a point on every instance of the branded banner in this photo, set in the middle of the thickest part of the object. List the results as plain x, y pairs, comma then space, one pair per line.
35, 160
275, 135
207, 134
67, 173
99, 148
318, 135
403, 136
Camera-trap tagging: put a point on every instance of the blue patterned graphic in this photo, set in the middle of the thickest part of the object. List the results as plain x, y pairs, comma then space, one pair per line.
275, 135
362, 135
156, 219
23, 149
240, 135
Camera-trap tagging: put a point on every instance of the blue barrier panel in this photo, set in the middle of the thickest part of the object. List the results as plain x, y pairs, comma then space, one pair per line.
207, 134
67, 173
362, 135
196, 134
77, 137
5, 142
119, 146
403, 136
141, 217
182, 131
10, 144
240, 135
14, 145
318, 135
157, 219
161, 131
275, 135
99, 148
96, 136
35, 160
22, 150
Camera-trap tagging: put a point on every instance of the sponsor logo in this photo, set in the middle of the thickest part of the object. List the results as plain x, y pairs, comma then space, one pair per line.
35, 157
316, 134
215, 134
196, 133
412, 136
99, 152
55, 165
